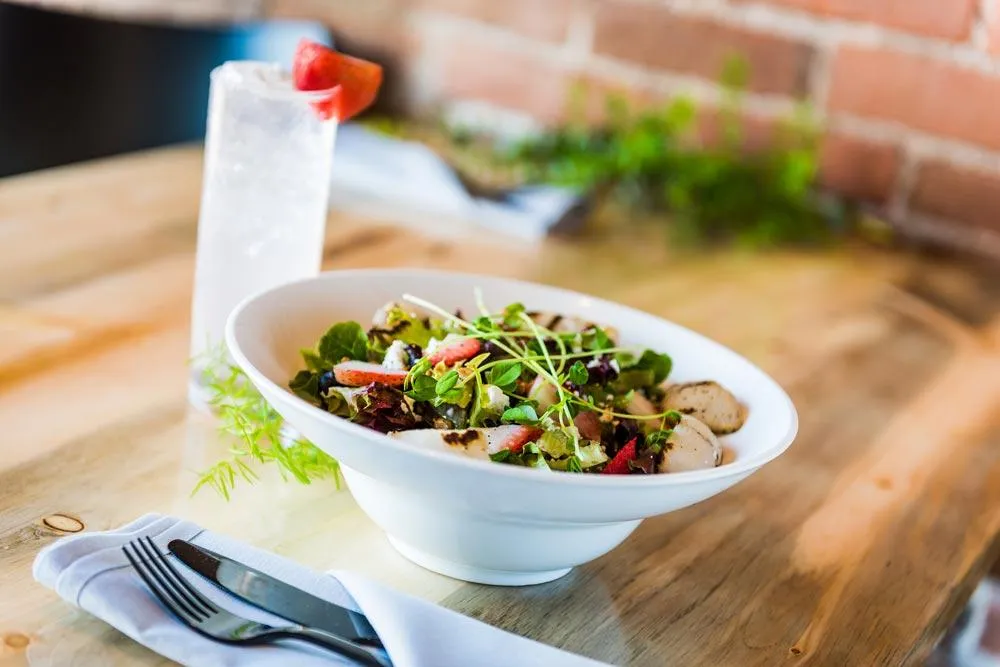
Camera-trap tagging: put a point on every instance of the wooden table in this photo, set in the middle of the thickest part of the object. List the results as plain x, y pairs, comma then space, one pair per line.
858, 547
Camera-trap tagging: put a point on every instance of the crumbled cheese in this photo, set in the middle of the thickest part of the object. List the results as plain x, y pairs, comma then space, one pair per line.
396, 357
496, 400
432, 345
381, 317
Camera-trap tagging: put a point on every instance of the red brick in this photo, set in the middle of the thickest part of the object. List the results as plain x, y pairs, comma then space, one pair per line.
508, 77
547, 20
923, 93
958, 193
656, 37
374, 26
947, 19
596, 92
857, 168
706, 130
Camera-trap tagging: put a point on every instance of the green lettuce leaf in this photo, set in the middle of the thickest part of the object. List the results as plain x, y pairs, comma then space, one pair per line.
305, 385
591, 455
346, 340
407, 327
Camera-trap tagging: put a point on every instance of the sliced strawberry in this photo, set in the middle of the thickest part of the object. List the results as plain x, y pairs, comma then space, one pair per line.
619, 464
475, 442
353, 82
510, 436
362, 373
454, 352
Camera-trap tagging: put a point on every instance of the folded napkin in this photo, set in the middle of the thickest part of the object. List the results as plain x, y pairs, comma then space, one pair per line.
90, 571
387, 176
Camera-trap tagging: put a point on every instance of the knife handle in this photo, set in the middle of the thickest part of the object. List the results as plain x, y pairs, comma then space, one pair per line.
365, 655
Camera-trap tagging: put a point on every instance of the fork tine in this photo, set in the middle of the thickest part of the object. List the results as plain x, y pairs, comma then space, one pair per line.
182, 580
169, 600
154, 558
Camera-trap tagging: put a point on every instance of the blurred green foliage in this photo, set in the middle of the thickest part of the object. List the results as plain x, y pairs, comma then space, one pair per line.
721, 191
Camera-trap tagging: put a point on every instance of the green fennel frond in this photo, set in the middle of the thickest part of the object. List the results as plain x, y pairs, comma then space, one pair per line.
262, 435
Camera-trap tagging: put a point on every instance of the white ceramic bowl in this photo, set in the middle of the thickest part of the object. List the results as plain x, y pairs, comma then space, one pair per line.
476, 520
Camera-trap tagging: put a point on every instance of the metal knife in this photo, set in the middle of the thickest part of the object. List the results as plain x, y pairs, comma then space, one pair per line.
275, 596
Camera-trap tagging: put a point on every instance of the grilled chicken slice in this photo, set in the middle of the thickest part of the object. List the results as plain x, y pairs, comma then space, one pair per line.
640, 406
475, 442
691, 446
708, 402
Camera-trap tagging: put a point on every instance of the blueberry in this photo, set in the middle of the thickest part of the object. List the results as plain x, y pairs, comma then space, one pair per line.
326, 380
413, 354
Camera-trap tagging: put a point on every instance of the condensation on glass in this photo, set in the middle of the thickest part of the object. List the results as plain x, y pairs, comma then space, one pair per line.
264, 197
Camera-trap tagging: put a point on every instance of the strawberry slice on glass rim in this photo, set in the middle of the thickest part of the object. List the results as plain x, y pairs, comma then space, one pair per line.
353, 83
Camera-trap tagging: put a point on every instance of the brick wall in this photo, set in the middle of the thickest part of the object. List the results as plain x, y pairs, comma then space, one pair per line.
909, 89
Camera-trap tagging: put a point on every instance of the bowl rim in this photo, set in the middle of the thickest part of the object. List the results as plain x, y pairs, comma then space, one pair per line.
737, 467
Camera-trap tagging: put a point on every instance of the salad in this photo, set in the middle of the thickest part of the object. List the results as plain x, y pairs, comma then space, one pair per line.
517, 387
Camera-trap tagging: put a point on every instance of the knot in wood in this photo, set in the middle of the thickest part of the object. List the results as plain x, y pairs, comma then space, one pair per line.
63, 523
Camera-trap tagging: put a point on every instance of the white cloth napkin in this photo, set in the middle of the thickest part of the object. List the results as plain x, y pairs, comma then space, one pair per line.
372, 171
90, 571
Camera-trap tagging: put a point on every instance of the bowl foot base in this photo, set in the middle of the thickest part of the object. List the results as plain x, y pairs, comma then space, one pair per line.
476, 575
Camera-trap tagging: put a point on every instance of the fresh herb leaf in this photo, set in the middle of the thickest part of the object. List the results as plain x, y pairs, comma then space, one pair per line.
256, 431
578, 373
556, 444
532, 457
651, 160
476, 361
625, 359
634, 378
446, 383
459, 395
337, 402
505, 374
657, 440
314, 362
591, 455
305, 385
407, 327
522, 414
478, 398
659, 364
594, 339
423, 388
501, 456
343, 340
512, 315
484, 324
418, 369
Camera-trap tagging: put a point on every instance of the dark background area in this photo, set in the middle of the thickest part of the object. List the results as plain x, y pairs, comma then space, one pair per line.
75, 87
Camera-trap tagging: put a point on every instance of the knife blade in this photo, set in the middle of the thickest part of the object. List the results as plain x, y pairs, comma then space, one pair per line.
275, 596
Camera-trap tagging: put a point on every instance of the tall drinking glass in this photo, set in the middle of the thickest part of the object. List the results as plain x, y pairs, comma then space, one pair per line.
264, 197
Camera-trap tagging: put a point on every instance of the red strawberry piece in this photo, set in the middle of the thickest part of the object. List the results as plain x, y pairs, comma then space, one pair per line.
510, 436
454, 352
362, 373
353, 83
619, 464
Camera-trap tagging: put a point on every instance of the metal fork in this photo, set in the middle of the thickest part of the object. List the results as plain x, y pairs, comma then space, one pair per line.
191, 607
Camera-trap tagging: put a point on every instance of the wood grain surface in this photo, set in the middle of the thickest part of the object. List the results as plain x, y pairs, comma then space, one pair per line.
857, 547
